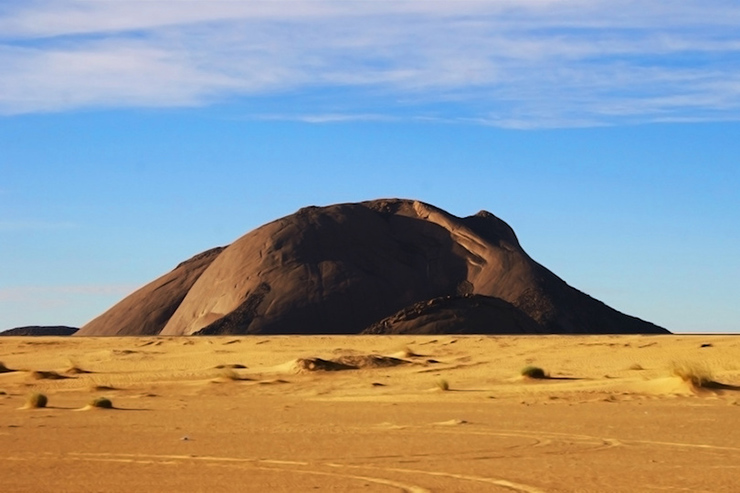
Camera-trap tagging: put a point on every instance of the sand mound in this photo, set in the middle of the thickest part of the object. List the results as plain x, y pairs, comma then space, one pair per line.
317, 364
343, 268
370, 361
47, 375
346, 362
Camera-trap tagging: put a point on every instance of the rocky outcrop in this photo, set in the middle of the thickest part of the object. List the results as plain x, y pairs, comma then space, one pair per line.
41, 330
347, 268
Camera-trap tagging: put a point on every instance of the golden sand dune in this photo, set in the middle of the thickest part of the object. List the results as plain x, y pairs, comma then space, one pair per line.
385, 266
372, 413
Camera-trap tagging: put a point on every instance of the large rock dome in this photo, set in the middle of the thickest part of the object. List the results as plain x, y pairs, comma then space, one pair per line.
370, 266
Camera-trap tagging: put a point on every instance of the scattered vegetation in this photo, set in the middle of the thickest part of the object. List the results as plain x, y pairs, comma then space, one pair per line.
443, 384
102, 403
36, 401
696, 374
533, 372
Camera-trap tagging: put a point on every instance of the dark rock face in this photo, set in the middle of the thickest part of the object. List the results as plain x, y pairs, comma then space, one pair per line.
38, 330
348, 268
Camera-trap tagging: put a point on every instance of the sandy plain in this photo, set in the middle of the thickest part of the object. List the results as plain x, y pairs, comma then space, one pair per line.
613, 417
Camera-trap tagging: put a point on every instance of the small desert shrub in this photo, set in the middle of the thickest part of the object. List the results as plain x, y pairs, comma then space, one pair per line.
36, 401
533, 372
101, 402
695, 373
443, 384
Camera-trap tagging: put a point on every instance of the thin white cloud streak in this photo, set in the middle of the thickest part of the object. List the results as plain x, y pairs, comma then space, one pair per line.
523, 63
45, 18
328, 118
14, 226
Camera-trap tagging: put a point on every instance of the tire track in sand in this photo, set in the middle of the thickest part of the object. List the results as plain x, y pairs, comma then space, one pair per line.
278, 465
523, 488
260, 464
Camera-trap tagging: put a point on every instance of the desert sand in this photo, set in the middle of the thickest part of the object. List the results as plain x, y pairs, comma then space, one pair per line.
258, 413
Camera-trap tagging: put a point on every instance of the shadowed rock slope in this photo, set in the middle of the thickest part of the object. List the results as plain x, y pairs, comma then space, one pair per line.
384, 266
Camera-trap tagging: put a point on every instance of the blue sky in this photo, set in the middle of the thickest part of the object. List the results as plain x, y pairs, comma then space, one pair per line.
134, 135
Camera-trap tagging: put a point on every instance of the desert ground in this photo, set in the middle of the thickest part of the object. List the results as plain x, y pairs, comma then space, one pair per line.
372, 413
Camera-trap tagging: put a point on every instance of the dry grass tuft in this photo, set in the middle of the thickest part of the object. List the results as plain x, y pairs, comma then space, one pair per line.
443, 384
36, 401
533, 372
101, 403
697, 374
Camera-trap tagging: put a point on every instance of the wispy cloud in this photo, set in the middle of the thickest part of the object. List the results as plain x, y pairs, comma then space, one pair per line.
523, 63
24, 225
328, 117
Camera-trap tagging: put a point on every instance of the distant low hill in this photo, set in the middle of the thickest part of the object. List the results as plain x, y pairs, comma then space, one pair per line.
389, 266
38, 330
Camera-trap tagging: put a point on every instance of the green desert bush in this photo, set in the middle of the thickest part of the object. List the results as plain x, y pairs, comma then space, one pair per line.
101, 402
36, 401
533, 372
